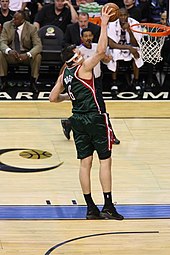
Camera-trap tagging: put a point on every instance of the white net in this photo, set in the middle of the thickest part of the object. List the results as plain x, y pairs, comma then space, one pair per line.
151, 48
150, 43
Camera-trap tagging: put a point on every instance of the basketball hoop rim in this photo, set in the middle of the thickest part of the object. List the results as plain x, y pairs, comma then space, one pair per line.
165, 32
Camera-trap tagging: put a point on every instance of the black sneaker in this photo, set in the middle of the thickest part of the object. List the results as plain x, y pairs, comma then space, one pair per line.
137, 86
111, 213
114, 91
93, 214
66, 125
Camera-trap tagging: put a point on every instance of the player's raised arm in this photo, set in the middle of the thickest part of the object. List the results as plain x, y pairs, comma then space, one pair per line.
103, 39
102, 43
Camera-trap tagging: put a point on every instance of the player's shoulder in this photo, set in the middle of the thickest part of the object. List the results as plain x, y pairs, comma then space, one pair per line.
113, 24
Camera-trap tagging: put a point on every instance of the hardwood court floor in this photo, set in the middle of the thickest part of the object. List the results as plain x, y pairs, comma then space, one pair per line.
141, 175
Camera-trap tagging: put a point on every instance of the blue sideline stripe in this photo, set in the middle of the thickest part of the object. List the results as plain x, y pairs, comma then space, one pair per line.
49, 212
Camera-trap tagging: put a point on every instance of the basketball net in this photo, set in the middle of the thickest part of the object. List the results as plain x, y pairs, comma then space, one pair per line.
151, 48
152, 40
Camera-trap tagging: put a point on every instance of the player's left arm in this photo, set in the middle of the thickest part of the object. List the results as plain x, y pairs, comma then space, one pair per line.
55, 95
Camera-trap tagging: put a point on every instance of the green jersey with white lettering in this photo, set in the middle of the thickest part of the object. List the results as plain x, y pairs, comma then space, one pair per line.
81, 91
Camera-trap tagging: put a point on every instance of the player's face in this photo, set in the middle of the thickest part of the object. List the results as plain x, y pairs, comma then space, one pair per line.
79, 58
87, 39
123, 16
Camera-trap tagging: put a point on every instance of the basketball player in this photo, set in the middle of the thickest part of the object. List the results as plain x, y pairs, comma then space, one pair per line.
91, 127
88, 48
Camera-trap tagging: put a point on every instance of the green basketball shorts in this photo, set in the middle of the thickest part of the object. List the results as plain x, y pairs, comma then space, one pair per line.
92, 131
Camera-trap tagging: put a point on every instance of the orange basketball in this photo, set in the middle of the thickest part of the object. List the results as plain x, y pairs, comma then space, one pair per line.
114, 12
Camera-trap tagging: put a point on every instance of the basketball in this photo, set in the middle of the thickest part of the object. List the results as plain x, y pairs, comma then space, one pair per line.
35, 154
114, 12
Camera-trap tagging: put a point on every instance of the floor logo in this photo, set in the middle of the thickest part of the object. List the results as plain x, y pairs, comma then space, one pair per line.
26, 154
35, 154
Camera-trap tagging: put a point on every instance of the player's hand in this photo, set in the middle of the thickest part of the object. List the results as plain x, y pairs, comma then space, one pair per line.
134, 52
106, 14
107, 58
23, 57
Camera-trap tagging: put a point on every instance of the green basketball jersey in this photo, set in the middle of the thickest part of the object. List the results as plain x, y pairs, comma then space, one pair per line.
82, 92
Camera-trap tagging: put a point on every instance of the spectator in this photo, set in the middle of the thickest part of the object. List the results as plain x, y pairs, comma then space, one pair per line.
156, 9
16, 5
76, 3
117, 2
34, 6
27, 49
5, 13
164, 18
145, 7
59, 14
159, 67
124, 45
73, 31
165, 51
133, 11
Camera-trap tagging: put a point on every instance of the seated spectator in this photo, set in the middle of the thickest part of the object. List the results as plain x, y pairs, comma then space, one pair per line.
164, 4
33, 7
117, 2
157, 8
164, 18
133, 11
145, 8
5, 13
59, 14
16, 5
20, 43
76, 3
124, 45
160, 74
73, 31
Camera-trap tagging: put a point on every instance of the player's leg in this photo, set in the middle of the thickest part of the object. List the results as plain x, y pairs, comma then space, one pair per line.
85, 181
108, 211
84, 174
103, 145
114, 85
85, 151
